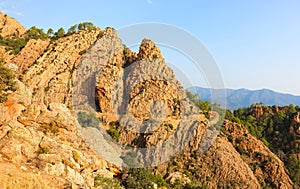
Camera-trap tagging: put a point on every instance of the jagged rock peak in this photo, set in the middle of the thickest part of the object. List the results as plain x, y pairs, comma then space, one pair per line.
9, 26
148, 50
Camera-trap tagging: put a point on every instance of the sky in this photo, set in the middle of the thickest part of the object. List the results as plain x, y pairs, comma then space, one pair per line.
256, 44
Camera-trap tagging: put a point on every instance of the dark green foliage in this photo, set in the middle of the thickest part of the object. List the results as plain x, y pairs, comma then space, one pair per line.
112, 124
241, 150
60, 33
106, 183
15, 44
72, 29
141, 178
194, 98
206, 107
294, 169
47, 89
88, 120
194, 186
86, 25
114, 134
35, 33
7, 82
82, 52
50, 32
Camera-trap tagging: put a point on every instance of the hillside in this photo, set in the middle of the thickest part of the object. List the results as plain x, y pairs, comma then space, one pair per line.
240, 98
64, 126
9, 26
278, 128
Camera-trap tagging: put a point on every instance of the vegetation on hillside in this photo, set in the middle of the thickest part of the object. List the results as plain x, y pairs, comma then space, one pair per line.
140, 178
206, 107
7, 81
88, 120
73, 29
14, 44
275, 127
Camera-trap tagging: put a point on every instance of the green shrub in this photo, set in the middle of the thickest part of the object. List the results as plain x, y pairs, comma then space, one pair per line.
86, 25
106, 183
7, 81
115, 134
82, 52
47, 89
240, 150
88, 120
76, 155
50, 127
194, 186
140, 178
35, 33
43, 150
112, 124
15, 44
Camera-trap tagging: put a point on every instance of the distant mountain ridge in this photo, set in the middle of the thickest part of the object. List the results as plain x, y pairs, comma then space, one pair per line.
239, 98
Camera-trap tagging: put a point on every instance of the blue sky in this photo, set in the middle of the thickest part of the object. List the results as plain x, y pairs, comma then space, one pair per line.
256, 44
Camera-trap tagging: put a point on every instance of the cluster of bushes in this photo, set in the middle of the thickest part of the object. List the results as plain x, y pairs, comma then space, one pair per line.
142, 178
88, 120
206, 107
107, 183
114, 133
73, 29
15, 44
7, 81
195, 99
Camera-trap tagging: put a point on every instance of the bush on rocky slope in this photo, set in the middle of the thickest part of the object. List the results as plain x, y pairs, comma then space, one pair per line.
7, 82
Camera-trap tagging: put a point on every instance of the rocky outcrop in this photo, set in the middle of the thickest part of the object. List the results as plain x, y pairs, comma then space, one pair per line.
30, 54
153, 112
9, 26
39, 135
45, 152
266, 166
235, 159
149, 51
142, 95
50, 80
222, 166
